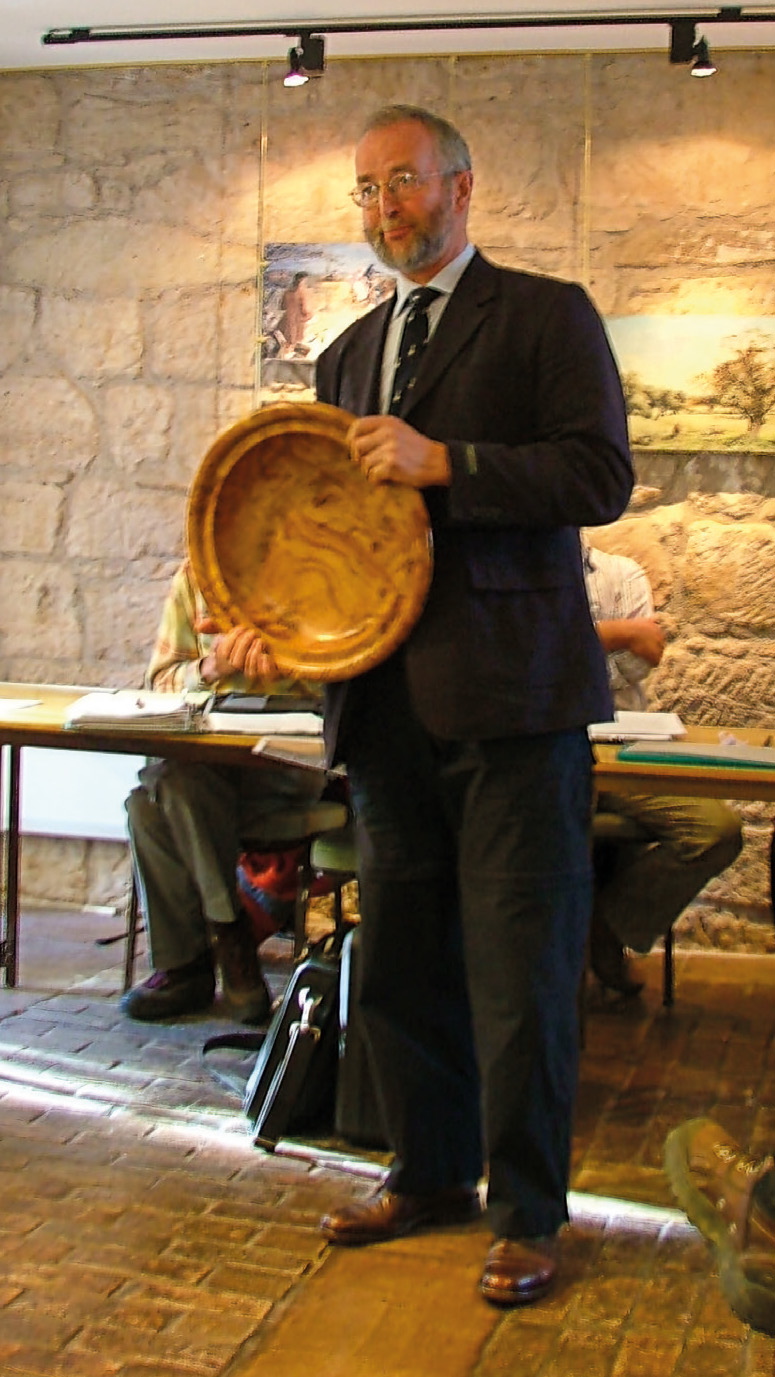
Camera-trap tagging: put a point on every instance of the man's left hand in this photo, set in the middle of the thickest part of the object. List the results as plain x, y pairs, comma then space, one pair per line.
239, 651
390, 451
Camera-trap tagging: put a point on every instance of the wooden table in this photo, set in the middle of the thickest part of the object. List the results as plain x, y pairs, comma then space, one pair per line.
687, 780
695, 781
44, 725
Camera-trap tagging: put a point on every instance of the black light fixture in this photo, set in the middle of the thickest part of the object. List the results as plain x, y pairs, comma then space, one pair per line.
295, 76
307, 60
727, 14
686, 47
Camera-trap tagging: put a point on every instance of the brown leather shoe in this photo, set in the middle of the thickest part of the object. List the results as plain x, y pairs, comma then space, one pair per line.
519, 1270
388, 1215
714, 1180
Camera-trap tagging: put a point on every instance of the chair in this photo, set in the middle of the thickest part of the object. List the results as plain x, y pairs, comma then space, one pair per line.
332, 854
294, 826
610, 831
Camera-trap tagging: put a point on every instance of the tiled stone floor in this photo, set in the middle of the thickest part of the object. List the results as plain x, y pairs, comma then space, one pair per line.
143, 1236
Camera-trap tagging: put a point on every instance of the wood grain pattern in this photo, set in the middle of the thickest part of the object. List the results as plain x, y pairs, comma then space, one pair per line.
286, 535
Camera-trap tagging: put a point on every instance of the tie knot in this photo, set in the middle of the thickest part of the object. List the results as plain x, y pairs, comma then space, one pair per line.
420, 299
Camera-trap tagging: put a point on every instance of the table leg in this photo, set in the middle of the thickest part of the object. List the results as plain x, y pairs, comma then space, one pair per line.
9, 810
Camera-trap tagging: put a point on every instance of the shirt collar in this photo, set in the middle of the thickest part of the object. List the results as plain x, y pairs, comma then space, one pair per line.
445, 281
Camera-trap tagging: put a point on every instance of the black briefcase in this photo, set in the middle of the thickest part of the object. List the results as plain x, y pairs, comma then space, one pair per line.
293, 1084
357, 1118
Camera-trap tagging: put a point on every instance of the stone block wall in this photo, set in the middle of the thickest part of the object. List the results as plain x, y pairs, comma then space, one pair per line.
708, 547
135, 204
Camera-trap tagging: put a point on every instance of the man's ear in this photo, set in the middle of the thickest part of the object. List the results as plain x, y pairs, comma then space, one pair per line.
464, 184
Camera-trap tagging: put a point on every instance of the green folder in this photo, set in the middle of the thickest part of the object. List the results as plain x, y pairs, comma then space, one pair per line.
737, 755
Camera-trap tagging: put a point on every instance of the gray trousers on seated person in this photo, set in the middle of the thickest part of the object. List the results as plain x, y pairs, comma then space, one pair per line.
186, 825
693, 840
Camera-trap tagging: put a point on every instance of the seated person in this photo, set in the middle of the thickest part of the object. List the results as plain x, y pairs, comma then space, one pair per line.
693, 839
187, 822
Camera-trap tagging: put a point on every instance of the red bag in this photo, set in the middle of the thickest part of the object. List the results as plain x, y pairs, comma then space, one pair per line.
266, 884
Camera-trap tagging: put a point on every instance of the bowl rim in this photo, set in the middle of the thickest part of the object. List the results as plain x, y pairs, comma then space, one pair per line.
318, 662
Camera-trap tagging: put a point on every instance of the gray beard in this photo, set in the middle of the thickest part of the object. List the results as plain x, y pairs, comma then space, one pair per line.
427, 249
428, 243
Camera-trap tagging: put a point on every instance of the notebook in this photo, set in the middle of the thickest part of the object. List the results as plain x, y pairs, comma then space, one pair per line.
638, 726
265, 723
737, 755
265, 715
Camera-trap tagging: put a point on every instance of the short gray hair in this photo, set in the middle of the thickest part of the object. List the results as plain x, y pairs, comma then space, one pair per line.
453, 149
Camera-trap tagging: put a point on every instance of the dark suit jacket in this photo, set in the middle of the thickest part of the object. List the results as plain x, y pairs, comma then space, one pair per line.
520, 383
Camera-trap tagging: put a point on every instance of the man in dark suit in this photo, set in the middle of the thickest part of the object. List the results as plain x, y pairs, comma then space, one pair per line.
466, 751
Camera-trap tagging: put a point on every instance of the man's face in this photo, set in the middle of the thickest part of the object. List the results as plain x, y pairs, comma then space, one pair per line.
419, 233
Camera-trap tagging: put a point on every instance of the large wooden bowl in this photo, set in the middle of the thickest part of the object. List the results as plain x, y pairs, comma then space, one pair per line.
287, 536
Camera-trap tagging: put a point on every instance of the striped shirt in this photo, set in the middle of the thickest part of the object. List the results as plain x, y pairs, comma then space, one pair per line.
617, 587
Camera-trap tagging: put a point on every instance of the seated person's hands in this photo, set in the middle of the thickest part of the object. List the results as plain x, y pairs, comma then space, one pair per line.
239, 651
647, 639
642, 636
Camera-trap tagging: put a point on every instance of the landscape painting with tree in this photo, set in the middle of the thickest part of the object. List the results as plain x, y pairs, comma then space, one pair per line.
698, 382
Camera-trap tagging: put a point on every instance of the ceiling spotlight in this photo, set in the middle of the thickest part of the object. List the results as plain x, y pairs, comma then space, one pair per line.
306, 61
295, 76
703, 65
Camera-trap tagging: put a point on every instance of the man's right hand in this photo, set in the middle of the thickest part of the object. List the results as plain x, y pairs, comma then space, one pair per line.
646, 639
388, 450
643, 636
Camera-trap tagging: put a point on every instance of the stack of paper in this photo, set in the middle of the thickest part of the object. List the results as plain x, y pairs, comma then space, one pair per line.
638, 726
127, 710
266, 723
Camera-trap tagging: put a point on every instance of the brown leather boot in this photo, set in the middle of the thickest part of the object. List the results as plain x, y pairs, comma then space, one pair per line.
236, 957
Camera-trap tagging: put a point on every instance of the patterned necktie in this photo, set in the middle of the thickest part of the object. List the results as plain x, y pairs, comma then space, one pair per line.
413, 342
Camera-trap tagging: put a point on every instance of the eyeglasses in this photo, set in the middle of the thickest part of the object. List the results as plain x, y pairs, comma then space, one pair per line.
400, 187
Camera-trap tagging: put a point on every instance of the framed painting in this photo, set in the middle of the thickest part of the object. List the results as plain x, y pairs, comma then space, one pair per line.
698, 382
311, 292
